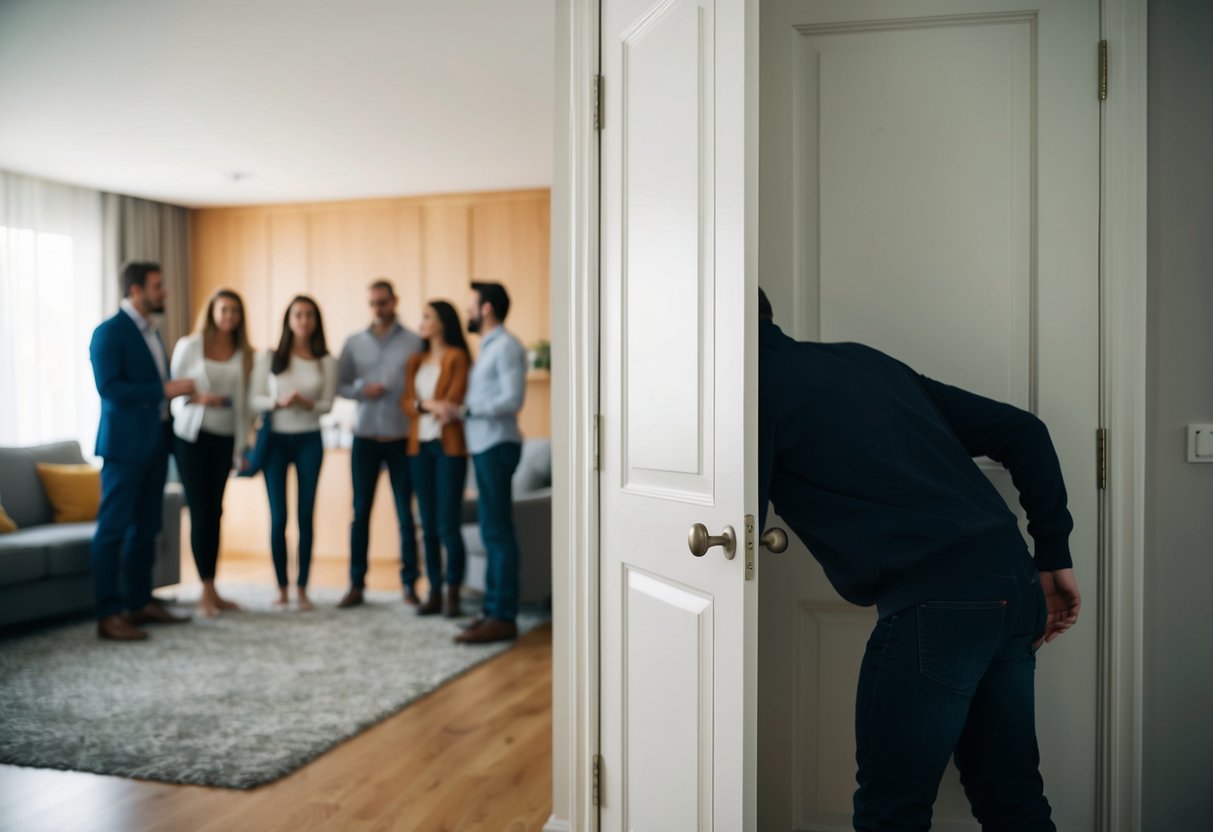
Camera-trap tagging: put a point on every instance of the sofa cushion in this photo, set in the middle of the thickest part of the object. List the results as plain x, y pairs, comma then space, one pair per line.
534, 467
74, 490
24, 499
6, 523
66, 547
20, 563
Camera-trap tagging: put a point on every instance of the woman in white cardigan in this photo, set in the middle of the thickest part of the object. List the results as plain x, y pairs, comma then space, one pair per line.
294, 385
211, 426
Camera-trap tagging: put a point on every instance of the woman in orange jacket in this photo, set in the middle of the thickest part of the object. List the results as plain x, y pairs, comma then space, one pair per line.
437, 451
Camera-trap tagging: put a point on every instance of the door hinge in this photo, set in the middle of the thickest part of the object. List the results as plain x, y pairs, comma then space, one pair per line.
598, 442
596, 795
1101, 441
1103, 70
749, 547
599, 102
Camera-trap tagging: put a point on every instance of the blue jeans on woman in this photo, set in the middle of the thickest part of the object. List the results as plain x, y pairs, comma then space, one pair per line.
954, 676
438, 482
495, 507
305, 451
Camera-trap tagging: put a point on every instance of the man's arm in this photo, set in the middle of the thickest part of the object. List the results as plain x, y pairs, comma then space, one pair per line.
105, 351
349, 385
1020, 441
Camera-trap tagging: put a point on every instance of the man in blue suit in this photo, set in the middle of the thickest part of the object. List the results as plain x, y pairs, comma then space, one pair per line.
131, 367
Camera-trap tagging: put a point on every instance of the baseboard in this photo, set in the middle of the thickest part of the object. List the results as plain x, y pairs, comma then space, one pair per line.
555, 824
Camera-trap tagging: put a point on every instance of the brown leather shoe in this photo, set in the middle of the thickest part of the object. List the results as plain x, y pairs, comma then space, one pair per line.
432, 605
153, 613
353, 598
474, 622
453, 608
410, 596
493, 629
117, 628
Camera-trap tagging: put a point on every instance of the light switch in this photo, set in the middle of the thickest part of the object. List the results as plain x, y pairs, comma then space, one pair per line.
1200, 443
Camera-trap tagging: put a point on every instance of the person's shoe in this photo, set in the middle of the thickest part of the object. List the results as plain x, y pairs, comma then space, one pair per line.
153, 613
410, 597
474, 622
453, 608
432, 605
118, 628
493, 629
353, 598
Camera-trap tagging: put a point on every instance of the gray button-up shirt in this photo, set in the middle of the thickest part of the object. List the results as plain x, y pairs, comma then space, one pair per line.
366, 359
496, 389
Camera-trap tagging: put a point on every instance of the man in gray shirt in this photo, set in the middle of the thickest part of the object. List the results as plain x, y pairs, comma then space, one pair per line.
371, 371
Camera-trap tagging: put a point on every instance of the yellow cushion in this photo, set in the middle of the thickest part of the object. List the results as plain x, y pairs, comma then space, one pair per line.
6, 523
74, 491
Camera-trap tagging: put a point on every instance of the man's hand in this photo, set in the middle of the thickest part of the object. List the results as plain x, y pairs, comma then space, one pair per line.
1062, 600
374, 390
178, 387
445, 412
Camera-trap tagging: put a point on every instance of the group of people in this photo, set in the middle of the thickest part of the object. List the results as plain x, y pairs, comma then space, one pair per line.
424, 407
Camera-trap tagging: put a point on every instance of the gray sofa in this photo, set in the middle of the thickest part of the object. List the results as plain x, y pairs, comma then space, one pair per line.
44, 566
532, 519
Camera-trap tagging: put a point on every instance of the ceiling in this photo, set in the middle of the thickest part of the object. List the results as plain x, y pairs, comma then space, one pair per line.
226, 102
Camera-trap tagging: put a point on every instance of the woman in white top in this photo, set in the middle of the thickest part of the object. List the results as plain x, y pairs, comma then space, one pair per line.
294, 386
211, 426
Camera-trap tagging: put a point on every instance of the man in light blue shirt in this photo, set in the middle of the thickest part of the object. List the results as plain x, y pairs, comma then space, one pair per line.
496, 389
371, 371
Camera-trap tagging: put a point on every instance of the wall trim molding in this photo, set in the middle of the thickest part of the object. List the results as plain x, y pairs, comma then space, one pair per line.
1123, 272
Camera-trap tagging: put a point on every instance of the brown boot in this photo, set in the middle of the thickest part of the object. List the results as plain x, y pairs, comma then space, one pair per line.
153, 613
352, 598
453, 608
118, 628
432, 605
493, 629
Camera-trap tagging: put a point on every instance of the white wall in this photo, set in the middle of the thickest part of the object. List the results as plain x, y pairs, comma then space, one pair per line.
1178, 695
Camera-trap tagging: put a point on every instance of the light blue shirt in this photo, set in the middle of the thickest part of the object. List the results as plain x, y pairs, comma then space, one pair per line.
496, 389
366, 359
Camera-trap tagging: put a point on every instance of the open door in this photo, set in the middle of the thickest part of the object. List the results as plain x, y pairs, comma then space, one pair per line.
679, 378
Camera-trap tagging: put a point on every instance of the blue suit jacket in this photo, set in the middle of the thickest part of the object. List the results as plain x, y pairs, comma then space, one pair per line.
130, 387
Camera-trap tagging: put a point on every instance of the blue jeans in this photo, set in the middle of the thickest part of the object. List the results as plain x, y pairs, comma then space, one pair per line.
367, 457
954, 676
305, 451
128, 520
494, 473
439, 480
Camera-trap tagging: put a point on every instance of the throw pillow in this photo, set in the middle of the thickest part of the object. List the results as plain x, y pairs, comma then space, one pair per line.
74, 491
6, 523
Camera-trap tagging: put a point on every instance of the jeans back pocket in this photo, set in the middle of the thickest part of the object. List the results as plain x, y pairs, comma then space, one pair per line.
957, 640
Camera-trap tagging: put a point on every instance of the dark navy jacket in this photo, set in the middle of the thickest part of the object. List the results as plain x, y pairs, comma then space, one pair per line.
871, 465
130, 387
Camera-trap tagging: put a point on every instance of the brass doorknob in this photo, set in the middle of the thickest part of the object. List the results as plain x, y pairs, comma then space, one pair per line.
775, 540
700, 541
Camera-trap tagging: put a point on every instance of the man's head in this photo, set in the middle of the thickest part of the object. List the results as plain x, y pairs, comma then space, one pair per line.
383, 301
765, 313
489, 305
143, 286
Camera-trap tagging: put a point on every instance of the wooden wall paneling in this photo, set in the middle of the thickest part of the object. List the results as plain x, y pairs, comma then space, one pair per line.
230, 249
290, 270
510, 246
447, 255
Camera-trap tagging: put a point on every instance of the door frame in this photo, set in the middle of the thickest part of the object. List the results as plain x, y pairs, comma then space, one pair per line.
575, 383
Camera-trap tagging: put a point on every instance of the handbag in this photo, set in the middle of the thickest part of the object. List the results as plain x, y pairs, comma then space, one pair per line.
255, 457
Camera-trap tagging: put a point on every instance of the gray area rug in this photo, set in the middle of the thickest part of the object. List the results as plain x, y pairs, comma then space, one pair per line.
236, 701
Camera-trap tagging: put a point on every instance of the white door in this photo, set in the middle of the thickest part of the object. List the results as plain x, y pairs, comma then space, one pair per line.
929, 186
678, 651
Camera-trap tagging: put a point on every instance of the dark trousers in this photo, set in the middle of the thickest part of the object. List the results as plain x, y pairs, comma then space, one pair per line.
204, 466
439, 481
367, 457
494, 473
954, 676
305, 451
128, 520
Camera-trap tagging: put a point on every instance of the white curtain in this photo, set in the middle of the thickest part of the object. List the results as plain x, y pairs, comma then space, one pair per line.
50, 302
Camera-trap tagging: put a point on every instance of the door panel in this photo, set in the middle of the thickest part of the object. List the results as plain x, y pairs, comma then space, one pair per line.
930, 187
678, 691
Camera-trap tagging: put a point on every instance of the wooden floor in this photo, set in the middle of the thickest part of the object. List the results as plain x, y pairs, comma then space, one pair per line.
474, 755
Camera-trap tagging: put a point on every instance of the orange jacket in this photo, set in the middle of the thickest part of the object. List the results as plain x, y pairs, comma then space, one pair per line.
452, 387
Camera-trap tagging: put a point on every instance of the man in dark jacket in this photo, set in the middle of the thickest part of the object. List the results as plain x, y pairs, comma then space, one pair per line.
871, 465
